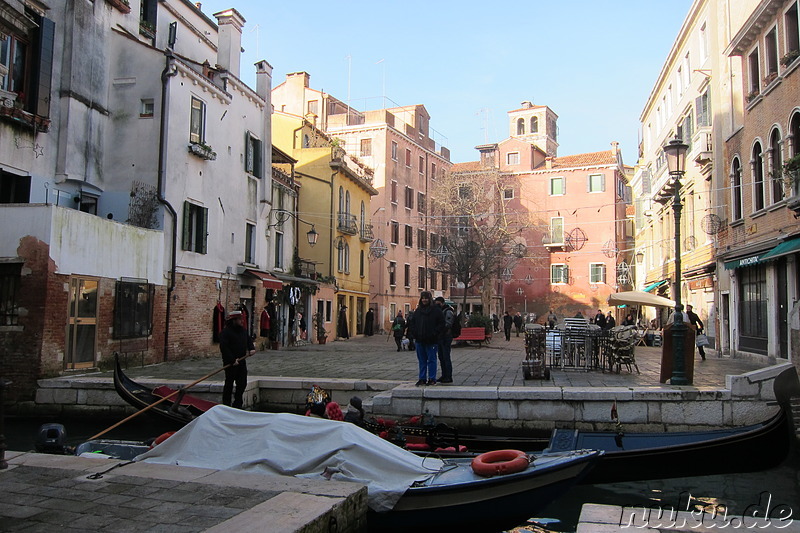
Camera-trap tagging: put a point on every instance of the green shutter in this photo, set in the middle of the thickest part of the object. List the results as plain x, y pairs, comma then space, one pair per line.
44, 71
203, 230
258, 158
187, 219
247, 150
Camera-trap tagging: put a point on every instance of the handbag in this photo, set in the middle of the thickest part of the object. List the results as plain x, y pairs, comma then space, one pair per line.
701, 340
397, 327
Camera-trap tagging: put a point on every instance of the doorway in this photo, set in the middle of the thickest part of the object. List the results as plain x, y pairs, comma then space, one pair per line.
82, 325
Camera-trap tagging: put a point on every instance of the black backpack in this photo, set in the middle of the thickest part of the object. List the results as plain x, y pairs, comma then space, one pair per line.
456, 329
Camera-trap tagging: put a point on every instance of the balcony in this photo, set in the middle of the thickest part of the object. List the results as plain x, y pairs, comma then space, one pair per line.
346, 223
366, 234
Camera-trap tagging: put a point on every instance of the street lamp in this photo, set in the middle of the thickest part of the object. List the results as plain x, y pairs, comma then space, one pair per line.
676, 164
282, 215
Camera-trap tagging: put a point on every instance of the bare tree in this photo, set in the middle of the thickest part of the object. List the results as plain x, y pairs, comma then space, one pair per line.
478, 230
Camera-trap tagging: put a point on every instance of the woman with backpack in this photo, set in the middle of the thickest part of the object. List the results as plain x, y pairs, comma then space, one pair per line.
398, 329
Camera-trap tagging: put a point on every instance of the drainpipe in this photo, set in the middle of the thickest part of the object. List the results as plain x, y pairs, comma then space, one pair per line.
169, 71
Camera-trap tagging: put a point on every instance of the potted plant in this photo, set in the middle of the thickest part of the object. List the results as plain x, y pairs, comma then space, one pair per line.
791, 175
789, 58
319, 328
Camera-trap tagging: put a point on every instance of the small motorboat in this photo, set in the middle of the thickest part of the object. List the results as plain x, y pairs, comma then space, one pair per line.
405, 491
180, 408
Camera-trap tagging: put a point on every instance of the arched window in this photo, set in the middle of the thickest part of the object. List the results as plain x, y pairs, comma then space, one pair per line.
363, 218
757, 163
347, 202
736, 189
521, 126
794, 148
534, 124
342, 220
776, 166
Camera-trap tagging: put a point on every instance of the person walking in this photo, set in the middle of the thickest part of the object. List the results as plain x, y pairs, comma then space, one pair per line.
600, 319
507, 323
343, 331
235, 344
518, 322
697, 323
399, 329
426, 326
446, 340
552, 319
495, 322
369, 323
610, 321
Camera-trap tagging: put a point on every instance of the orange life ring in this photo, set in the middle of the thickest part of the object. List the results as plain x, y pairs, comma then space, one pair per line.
161, 438
500, 462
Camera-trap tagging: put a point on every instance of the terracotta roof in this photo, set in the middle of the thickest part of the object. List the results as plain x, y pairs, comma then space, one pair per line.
527, 108
469, 166
606, 157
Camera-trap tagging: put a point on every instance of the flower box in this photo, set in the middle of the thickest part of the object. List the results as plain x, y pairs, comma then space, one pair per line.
203, 151
122, 6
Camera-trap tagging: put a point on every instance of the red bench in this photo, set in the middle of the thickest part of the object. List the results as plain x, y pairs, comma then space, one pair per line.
478, 335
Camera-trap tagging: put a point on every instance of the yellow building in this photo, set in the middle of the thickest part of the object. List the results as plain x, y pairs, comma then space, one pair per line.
334, 197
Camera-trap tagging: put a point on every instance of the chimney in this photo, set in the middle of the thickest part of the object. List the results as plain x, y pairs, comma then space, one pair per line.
527, 104
229, 40
264, 81
298, 80
548, 162
614, 147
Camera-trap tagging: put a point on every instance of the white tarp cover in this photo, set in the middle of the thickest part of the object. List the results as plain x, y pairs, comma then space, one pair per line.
639, 298
291, 445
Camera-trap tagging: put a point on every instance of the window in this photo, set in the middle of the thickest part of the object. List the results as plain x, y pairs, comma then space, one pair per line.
407, 274
147, 108
434, 277
394, 151
680, 81
14, 189
559, 273
791, 30
313, 107
753, 72
250, 244
394, 192
444, 281
557, 186
464, 192
597, 272
433, 170
252, 155
421, 165
508, 194
421, 202
197, 127
328, 310
395, 237
557, 230
771, 53
366, 147
409, 231
28, 61
534, 124
512, 158
422, 239
392, 273
434, 241
278, 250
702, 106
777, 166
421, 277
195, 228
408, 157
148, 16
520, 126
685, 130
9, 285
133, 310
361, 264
757, 163
409, 198
753, 307
392, 310
343, 258
703, 43
736, 189
596, 183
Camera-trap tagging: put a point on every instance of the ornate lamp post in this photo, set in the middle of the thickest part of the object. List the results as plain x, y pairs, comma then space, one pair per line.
676, 163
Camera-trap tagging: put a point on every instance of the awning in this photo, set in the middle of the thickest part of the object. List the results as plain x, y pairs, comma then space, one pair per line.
286, 278
270, 281
639, 298
655, 285
784, 248
743, 262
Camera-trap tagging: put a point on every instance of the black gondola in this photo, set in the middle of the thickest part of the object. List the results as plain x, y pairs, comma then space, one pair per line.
178, 409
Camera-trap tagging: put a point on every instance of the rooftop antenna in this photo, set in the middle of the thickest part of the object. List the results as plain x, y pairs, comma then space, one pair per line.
255, 29
485, 112
349, 68
383, 90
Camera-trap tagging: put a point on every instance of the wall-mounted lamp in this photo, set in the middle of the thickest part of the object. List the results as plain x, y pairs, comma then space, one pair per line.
639, 256
282, 215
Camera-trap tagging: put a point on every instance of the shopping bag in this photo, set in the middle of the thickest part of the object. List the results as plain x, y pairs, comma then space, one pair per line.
701, 340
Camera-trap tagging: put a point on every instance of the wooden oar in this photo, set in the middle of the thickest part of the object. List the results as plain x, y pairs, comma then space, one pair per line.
167, 397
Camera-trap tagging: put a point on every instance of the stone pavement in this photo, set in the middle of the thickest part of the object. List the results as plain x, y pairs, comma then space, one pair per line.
497, 364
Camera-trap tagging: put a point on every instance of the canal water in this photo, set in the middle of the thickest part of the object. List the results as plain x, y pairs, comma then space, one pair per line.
734, 493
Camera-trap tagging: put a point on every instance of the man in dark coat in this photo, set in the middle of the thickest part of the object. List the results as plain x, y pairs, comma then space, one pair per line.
426, 326
697, 323
446, 340
600, 319
507, 323
235, 344
369, 322
518, 323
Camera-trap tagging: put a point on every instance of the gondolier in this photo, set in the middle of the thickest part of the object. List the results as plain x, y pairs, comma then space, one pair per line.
235, 344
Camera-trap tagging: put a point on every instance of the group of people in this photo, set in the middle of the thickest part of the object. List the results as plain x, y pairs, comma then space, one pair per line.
429, 330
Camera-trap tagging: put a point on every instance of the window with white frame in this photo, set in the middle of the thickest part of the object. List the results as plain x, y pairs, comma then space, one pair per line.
508, 193
409, 231
702, 105
771, 55
421, 277
343, 258
757, 163
512, 158
392, 273
197, 126
558, 186
703, 42
394, 151
422, 239
407, 275
278, 250
753, 73
395, 232
252, 155
557, 230
394, 192
147, 108
559, 273
392, 310
195, 228
408, 157
791, 33
409, 197
250, 243
366, 147
736, 189
597, 272
596, 183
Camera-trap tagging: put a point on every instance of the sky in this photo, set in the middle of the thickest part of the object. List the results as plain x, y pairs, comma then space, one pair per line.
469, 63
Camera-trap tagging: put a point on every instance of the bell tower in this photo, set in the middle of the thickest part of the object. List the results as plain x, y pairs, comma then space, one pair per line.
536, 124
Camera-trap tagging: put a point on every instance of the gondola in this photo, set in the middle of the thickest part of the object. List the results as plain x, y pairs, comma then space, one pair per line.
405, 492
179, 412
640, 456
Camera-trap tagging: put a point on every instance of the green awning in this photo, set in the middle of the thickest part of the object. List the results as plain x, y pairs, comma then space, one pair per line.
655, 285
743, 262
784, 248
